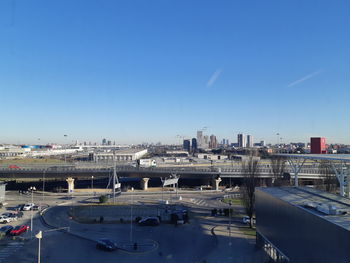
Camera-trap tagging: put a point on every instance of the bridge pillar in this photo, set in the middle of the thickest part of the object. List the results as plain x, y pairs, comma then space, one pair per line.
215, 183
144, 183
70, 182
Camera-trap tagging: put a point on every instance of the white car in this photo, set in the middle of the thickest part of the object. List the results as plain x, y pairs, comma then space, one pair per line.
5, 219
246, 220
28, 207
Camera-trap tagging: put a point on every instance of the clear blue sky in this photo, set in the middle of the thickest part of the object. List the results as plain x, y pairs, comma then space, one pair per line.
135, 71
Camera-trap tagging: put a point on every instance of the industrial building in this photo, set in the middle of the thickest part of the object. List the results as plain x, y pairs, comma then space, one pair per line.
301, 224
119, 155
318, 145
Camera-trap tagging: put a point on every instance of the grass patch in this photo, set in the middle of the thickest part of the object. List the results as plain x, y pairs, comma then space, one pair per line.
234, 201
248, 231
31, 161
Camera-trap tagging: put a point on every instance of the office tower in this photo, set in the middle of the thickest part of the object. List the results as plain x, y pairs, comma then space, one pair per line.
187, 145
241, 140
109, 143
318, 145
213, 142
262, 143
194, 144
205, 141
250, 142
104, 142
200, 138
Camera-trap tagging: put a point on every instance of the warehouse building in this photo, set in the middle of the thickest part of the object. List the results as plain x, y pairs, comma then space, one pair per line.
120, 155
301, 224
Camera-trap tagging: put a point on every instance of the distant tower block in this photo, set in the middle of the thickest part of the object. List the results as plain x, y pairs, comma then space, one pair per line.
144, 183
70, 182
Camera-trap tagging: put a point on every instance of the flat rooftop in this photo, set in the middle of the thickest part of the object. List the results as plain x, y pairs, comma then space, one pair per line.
299, 196
122, 151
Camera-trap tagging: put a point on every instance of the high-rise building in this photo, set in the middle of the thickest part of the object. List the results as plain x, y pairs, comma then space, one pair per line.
213, 142
262, 143
194, 144
241, 140
318, 145
200, 138
104, 141
109, 143
205, 141
187, 145
250, 142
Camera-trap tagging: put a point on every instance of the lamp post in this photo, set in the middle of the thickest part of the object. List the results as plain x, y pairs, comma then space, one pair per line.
92, 182
39, 236
32, 188
132, 201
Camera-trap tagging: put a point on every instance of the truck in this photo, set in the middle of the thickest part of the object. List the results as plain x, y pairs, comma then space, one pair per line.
145, 163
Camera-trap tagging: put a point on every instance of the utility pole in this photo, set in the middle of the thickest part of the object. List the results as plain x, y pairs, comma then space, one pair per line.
114, 176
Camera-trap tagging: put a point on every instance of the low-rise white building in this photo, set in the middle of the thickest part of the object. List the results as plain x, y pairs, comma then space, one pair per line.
120, 156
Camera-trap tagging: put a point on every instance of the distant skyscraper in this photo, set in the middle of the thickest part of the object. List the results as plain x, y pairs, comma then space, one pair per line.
109, 143
262, 143
250, 142
205, 141
213, 142
200, 138
194, 144
187, 145
241, 140
104, 141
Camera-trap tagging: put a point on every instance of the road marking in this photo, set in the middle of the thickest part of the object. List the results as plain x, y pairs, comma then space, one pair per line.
9, 250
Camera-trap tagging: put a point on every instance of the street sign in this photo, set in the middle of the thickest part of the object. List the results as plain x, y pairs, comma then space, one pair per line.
170, 181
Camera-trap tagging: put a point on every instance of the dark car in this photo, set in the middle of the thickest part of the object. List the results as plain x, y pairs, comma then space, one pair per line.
19, 230
106, 244
5, 230
149, 221
36, 208
19, 207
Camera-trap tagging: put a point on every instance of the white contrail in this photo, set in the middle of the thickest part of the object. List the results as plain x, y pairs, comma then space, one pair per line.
304, 78
214, 77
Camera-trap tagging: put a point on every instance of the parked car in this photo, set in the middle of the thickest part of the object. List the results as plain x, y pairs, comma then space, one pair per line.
36, 208
19, 230
149, 221
19, 214
20, 207
246, 220
106, 244
28, 206
5, 219
5, 230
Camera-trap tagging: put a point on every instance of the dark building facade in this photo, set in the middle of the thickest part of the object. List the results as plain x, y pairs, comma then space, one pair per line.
187, 145
194, 144
290, 232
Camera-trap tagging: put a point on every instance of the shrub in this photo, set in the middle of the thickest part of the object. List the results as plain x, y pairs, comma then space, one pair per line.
103, 199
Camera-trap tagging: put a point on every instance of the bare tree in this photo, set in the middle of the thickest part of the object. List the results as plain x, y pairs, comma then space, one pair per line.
278, 165
250, 179
329, 178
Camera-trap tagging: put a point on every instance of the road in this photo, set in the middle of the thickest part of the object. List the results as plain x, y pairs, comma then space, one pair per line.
205, 239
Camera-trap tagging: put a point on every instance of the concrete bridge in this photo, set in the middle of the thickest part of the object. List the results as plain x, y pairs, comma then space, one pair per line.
213, 173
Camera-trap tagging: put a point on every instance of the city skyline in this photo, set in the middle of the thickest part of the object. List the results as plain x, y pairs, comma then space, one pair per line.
147, 72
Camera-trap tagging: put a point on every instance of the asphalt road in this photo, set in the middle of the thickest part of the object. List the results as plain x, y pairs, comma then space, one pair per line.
205, 239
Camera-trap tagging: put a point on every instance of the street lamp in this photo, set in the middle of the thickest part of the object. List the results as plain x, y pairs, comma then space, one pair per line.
92, 182
39, 236
132, 201
32, 188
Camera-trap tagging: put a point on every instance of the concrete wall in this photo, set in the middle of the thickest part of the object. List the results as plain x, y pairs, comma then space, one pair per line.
299, 234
